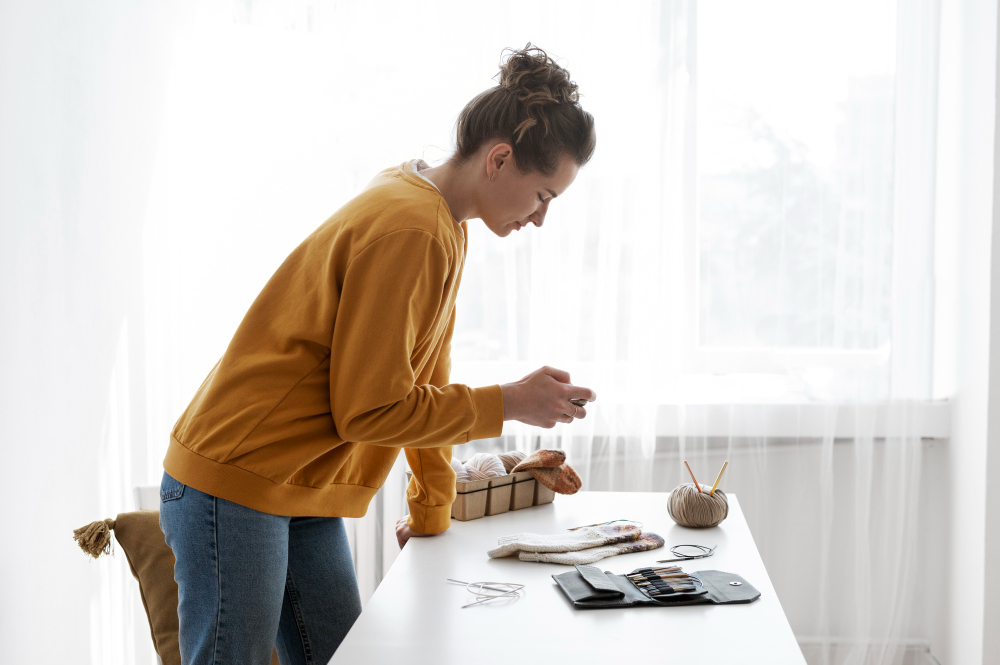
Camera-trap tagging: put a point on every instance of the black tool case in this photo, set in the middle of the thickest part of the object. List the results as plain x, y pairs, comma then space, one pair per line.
588, 587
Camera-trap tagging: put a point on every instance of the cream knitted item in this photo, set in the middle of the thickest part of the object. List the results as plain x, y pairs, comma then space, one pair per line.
648, 541
581, 539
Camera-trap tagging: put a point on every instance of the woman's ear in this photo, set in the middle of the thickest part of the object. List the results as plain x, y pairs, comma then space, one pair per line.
497, 157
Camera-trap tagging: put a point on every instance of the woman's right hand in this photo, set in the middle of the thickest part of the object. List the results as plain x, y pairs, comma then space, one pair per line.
543, 398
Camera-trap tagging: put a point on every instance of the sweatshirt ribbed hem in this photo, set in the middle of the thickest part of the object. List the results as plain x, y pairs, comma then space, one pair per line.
429, 519
232, 483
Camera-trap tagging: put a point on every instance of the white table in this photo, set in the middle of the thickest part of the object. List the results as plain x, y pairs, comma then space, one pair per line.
415, 616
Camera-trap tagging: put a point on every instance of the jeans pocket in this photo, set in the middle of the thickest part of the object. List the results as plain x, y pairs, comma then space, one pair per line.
170, 488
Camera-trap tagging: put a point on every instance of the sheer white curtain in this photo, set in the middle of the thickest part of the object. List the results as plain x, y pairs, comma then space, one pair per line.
742, 272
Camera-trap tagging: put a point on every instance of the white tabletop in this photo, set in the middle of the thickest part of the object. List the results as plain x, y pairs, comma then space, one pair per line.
415, 616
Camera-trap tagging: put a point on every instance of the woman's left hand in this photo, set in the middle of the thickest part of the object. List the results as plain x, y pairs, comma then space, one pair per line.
404, 532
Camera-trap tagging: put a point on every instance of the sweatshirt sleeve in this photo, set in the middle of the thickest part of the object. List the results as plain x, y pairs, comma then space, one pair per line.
432, 488
390, 298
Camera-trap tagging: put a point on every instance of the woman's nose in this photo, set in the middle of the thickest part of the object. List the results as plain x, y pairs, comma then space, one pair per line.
538, 218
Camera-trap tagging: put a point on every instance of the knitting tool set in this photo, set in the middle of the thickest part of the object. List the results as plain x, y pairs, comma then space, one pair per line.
588, 587
487, 591
658, 583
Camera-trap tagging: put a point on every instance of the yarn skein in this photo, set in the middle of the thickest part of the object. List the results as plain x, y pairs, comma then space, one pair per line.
484, 465
511, 459
461, 474
689, 507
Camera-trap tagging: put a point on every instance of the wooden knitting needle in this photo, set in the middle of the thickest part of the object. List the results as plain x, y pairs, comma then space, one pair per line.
666, 578
682, 580
692, 477
719, 478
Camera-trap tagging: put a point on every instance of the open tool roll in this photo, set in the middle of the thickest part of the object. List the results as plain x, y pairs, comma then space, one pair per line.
588, 587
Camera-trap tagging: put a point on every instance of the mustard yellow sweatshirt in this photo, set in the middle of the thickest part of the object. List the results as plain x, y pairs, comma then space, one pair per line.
342, 360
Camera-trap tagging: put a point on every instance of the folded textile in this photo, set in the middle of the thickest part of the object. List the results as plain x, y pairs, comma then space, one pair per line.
648, 541
581, 539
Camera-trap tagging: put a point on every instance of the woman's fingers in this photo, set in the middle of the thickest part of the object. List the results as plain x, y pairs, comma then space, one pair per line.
557, 374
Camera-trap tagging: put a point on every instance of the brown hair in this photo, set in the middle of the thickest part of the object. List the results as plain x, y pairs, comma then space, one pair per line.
535, 108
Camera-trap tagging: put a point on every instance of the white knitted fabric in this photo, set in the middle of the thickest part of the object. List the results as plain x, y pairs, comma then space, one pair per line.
572, 541
648, 541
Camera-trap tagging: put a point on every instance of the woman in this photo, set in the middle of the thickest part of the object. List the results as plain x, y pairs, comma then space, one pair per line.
342, 360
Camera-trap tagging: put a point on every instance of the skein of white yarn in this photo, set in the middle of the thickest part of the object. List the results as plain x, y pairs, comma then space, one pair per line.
484, 465
461, 475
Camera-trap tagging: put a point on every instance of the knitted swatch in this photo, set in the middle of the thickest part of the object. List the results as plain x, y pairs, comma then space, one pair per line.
581, 539
648, 541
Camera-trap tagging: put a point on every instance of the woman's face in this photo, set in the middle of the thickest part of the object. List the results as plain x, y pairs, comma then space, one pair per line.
513, 200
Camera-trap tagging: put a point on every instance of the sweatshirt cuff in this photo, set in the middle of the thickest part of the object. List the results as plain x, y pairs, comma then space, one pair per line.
488, 402
429, 519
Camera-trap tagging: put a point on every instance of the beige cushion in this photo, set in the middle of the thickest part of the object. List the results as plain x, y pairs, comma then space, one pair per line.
152, 563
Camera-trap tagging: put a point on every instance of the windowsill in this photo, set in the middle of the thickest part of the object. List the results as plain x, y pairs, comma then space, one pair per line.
739, 405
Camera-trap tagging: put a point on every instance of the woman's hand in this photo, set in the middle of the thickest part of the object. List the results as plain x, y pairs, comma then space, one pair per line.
543, 398
404, 532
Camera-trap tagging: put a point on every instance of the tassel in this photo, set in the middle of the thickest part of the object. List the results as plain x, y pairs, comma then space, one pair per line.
95, 538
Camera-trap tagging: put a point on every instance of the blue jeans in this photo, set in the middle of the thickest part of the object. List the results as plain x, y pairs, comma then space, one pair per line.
249, 581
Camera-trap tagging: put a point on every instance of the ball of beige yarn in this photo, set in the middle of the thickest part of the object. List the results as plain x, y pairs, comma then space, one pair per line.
511, 459
461, 475
689, 507
484, 465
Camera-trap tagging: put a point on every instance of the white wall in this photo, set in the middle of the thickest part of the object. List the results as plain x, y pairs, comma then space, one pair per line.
966, 349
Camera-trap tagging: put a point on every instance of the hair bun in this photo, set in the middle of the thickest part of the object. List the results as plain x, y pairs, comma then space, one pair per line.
536, 94
537, 81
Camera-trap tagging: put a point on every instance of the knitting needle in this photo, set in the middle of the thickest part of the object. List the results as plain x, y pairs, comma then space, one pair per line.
683, 583
665, 578
486, 600
667, 569
664, 585
692, 477
657, 580
688, 558
485, 586
667, 583
719, 478
664, 593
